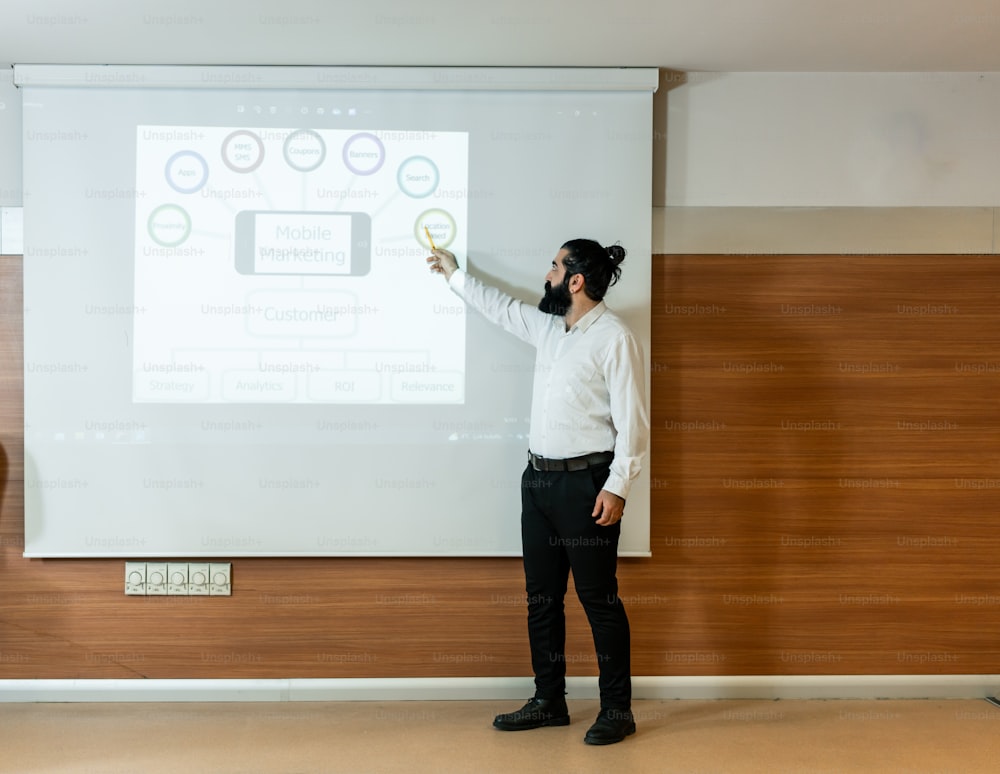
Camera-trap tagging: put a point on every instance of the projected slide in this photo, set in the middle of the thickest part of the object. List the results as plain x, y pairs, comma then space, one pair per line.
286, 266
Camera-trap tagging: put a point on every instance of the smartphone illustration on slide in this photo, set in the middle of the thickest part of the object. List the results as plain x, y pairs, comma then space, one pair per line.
303, 243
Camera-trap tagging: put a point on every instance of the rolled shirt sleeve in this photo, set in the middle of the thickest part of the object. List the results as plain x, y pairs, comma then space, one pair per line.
625, 375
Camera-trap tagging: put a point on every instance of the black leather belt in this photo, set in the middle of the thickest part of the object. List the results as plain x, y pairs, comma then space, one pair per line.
570, 463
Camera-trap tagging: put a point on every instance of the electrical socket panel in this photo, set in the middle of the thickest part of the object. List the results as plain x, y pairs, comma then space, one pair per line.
220, 583
156, 579
178, 579
198, 578
135, 578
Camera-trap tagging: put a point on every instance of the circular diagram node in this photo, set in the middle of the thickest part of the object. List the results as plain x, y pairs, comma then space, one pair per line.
418, 177
243, 151
169, 225
186, 172
304, 150
364, 153
439, 223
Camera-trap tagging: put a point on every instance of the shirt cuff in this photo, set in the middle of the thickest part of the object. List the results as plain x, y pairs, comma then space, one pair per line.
617, 485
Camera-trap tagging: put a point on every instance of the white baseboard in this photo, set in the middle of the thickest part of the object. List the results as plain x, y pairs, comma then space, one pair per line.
767, 687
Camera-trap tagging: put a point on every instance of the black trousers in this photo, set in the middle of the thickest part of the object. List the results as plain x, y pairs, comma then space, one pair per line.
558, 534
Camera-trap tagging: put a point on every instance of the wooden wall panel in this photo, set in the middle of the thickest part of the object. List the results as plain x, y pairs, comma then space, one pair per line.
826, 460
825, 490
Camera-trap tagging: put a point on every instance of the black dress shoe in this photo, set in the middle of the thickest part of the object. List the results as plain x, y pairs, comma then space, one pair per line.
612, 725
535, 714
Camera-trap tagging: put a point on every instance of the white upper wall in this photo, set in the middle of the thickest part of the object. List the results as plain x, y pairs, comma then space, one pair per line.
834, 140
707, 36
10, 142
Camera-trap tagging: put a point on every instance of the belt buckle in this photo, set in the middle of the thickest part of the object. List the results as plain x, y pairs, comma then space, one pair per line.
546, 465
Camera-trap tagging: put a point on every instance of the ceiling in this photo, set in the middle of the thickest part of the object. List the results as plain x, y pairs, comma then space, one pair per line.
689, 35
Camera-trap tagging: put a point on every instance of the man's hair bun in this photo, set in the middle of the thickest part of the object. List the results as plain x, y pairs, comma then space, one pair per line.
617, 253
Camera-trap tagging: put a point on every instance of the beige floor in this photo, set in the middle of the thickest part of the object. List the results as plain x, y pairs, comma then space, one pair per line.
803, 737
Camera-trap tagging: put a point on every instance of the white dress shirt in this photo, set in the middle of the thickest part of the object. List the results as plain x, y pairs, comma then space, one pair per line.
589, 389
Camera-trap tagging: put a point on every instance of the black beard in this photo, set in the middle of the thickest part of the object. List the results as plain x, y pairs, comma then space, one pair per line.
556, 300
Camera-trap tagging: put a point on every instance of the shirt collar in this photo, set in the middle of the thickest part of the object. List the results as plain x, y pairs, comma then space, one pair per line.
590, 317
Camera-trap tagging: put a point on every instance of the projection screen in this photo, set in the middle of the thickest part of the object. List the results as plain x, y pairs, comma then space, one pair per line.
233, 345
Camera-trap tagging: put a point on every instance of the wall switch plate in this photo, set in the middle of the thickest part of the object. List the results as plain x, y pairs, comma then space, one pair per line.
156, 578
198, 578
177, 579
220, 579
135, 578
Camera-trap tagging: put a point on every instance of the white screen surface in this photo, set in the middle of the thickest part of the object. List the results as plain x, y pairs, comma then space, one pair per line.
233, 345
